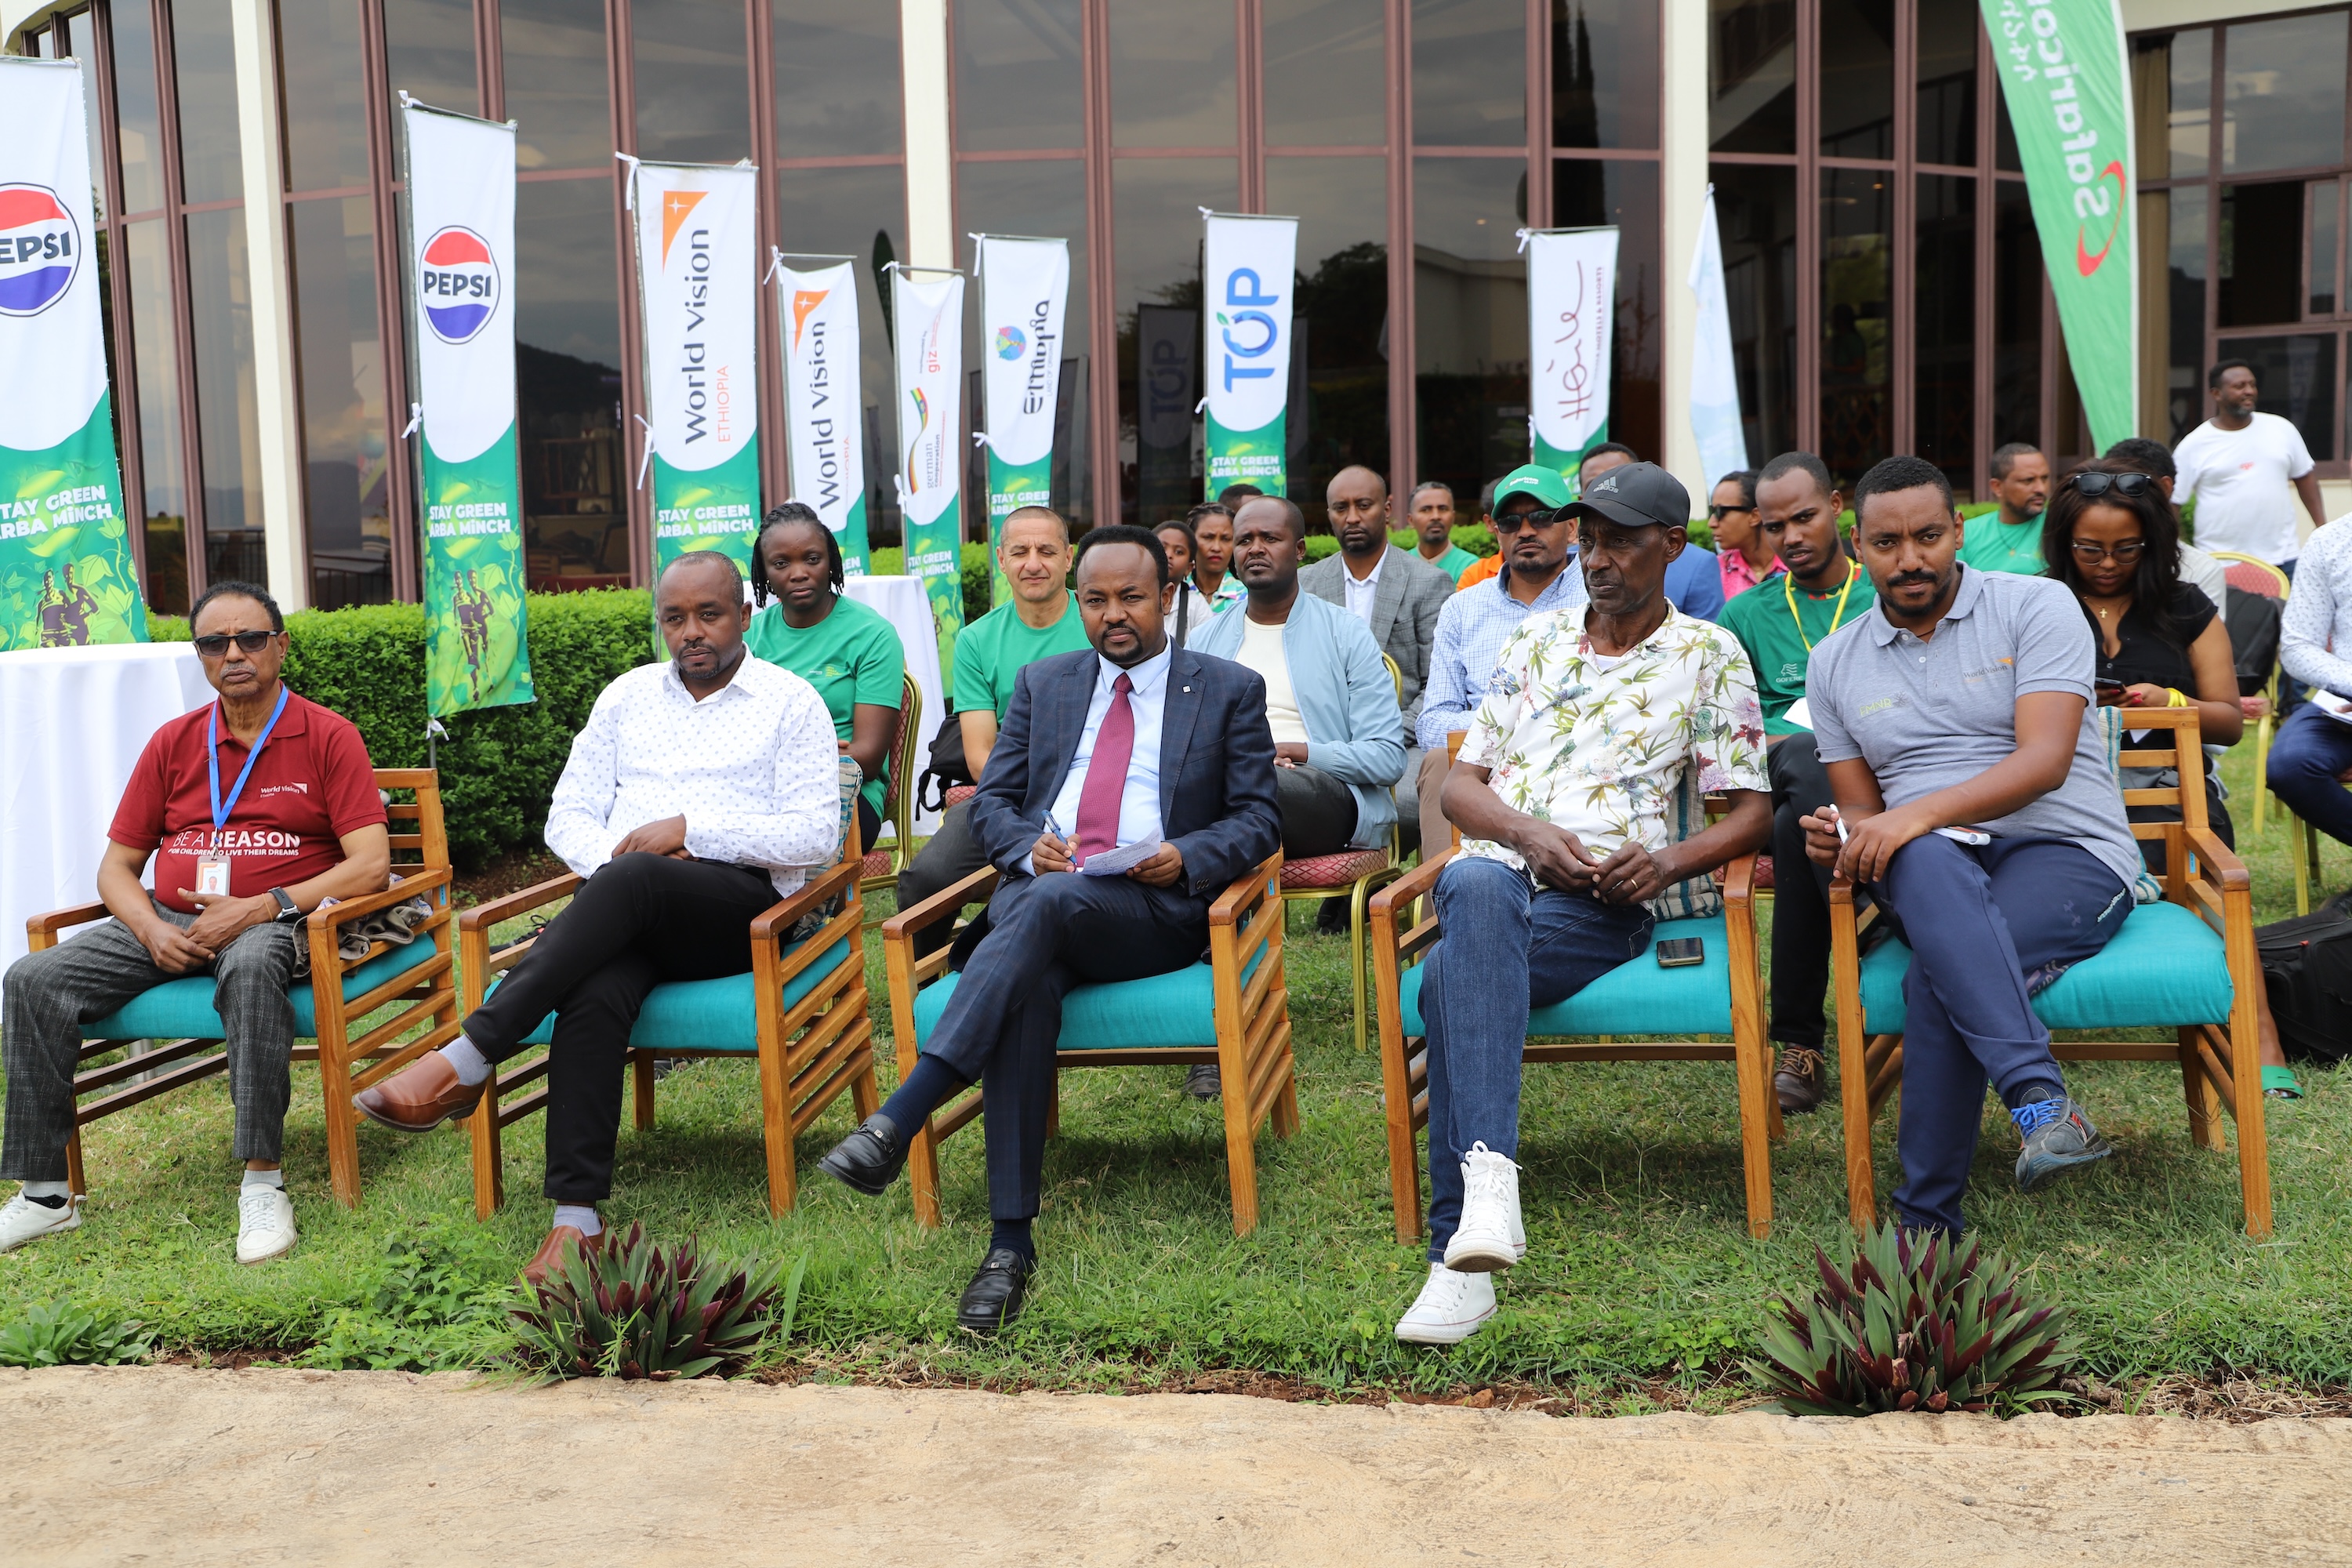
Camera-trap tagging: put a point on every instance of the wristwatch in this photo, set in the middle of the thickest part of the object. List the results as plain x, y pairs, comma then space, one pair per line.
288, 911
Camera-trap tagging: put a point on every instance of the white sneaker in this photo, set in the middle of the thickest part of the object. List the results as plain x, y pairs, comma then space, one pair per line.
265, 1224
1490, 1235
23, 1220
1449, 1308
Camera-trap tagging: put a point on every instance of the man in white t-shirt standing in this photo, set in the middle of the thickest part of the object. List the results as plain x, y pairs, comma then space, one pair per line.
2243, 469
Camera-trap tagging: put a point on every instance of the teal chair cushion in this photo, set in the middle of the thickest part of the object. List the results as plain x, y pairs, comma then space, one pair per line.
2165, 968
1174, 1009
707, 1014
1635, 998
182, 1009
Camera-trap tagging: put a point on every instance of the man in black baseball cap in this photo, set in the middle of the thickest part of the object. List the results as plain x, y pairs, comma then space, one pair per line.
1631, 525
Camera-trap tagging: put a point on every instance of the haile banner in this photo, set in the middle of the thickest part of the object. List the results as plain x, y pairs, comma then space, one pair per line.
459, 206
1024, 285
1248, 264
929, 318
65, 571
1572, 285
823, 418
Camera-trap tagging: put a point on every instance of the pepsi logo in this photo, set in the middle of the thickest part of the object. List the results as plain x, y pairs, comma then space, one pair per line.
41, 249
457, 283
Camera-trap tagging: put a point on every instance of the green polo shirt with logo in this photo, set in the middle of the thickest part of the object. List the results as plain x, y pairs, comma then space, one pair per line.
1990, 544
990, 652
1777, 641
851, 656
1453, 563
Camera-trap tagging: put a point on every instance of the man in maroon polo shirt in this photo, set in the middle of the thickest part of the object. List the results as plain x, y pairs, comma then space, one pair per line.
256, 808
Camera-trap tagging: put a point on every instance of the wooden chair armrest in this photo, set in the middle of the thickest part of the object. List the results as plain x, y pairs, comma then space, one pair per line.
780, 918
2219, 863
1245, 890
1410, 885
1841, 889
482, 917
945, 904
1739, 881
57, 921
349, 909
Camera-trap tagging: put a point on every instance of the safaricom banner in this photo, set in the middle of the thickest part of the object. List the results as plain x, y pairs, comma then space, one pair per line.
460, 212
1023, 286
929, 319
1246, 273
823, 419
698, 249
2065, 75
1572, 282
66, 576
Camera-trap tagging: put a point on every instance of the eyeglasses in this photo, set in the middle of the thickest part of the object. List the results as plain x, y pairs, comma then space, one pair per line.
1718, 514
1511, 522
2129, 486
2123, 554
214, 645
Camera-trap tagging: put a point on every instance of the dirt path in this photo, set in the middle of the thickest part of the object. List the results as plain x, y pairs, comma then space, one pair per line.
172, 1465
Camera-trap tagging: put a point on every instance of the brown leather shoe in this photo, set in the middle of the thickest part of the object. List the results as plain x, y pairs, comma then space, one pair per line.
420, 1096
1800, 1080
550, 1256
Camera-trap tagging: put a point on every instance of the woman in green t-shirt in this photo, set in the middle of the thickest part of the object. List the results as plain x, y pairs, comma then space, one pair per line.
848, 652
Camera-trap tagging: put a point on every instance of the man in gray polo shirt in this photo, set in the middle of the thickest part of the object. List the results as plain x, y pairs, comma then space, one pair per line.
1959, 703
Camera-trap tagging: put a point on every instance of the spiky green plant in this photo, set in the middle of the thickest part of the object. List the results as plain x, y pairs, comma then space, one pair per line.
59, 1333
623, 1307
1915, 1323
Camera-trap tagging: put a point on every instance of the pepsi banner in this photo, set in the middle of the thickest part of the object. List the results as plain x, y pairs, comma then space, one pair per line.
1571, 286
697, 246
1247, 267
1024, 285
459, 207
65, 571
825, 418
930, 320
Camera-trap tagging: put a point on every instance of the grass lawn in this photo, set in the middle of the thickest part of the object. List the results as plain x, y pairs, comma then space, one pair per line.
1640, 1272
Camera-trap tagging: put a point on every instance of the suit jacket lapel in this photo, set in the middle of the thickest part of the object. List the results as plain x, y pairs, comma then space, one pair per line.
1181, 707
1388, 597
1067, 716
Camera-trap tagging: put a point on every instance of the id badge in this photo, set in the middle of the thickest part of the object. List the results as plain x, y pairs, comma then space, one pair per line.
212, 877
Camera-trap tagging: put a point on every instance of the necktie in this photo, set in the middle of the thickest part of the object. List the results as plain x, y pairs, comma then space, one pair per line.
1098, 797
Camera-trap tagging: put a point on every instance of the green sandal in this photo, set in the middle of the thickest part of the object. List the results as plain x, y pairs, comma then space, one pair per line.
2279, 1083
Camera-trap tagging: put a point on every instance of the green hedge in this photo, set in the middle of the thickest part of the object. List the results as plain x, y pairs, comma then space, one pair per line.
892, 562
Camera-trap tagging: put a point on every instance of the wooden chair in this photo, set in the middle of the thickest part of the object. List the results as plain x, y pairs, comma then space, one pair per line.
881, 865
2187, 963
2250, 575
800, 1012
1233, 1011
178, 1015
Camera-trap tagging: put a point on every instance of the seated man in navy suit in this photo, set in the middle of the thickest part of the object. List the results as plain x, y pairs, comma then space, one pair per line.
1131, 743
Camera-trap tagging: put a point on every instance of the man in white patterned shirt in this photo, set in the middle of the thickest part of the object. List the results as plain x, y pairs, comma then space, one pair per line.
701, 791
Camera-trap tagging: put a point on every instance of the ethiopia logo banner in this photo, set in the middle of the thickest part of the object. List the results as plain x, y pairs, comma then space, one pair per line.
1572, 280
65, 571
461, 218
825, 421
1023, 286
1247, 272
929, 318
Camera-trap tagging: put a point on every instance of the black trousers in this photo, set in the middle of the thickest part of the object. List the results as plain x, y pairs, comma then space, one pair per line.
1800, 896
1318, 812
951, 855
641, 919
1004, 1024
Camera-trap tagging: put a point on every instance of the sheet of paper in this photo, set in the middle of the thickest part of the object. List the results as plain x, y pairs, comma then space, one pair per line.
1800, 714
1118, 862
2335, 707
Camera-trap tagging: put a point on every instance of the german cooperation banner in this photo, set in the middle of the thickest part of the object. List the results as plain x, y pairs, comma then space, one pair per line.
2065, 75
930, 323
1023, 285
460, 214
1571, 282
823, 418
1247, 267
65, 573
697, 255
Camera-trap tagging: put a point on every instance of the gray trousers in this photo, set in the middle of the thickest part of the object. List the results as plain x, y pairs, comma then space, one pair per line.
47, 996
951, 855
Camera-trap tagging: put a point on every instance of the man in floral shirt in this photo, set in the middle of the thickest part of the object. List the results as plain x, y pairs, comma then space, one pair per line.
1572, 791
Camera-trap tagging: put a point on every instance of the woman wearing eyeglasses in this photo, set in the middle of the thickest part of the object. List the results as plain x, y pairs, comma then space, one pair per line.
1742, 553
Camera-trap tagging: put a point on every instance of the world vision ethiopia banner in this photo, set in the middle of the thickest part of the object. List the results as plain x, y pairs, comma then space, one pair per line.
1023, 286
460, 216
1246, 270
929, 321
2065, 75
1571, 282
66, 573
697, 290
823, 418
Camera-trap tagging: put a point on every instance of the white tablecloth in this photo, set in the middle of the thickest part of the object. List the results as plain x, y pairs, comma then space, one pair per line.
902, 603
72, 723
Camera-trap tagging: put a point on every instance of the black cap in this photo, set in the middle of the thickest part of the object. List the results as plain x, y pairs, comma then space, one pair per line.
1636, 495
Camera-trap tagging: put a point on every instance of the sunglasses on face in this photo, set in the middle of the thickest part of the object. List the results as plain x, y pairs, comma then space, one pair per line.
1718, 514
1511, 522
2130, 486
214, 645
2123, 554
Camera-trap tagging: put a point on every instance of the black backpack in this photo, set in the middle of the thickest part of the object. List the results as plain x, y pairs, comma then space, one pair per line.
2252, 623
2307, 971
947, 767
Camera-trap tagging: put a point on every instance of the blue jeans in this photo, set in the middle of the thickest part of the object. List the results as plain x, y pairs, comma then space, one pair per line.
2306, 754
1509, 946
1979, 922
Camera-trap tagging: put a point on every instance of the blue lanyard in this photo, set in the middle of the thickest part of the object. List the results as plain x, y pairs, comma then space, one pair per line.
212, 754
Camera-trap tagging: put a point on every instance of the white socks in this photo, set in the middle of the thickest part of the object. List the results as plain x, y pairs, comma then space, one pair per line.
470, 1065
264, 1179
49, 1194
581, 1217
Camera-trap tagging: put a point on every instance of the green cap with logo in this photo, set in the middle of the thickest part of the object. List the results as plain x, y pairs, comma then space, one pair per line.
1549, 486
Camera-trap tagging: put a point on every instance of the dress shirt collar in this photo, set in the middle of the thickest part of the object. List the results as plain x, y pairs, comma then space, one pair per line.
1143, 678
1884, 631
745, 679
1500, 582
1370, 577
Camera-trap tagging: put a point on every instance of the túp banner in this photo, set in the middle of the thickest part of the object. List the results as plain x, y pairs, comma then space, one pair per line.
2065, 76
1023, 285
459, 206
930, 320
823, 419
697, 290
1247, 267
1571, 282
65, 571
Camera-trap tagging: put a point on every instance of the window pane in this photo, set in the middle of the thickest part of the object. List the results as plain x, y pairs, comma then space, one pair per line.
1020, 78
40, 46
568, 385
1948, 84
860, 213
138, 114
340, 354
2323, 274
322, 72
1604, 73
836, 78
2298, 384
1857, 266
429, 53
2017, 316
556, 89
1752, 76
162, 457
1588, 194
1944, 281
206, 78
1857, 78
2188, 120
694, 92
1469, 85
1048, 197
228, 425
1340, 314
1327, 69
1155, 208
2282, 100
1172, 76
2185, 263
1470, 319
75, 37
2261, 255
1756, 215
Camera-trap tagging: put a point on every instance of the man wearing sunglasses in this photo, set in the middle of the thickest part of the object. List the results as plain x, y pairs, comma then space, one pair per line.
256, 808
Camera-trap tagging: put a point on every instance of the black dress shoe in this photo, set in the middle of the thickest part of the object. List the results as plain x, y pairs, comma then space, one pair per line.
993, 1298
1204, 1081
869, 1159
